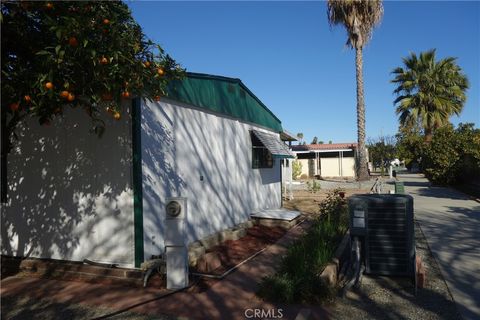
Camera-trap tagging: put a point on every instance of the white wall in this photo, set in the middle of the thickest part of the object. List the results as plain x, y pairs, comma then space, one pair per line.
330, 167
70, 192
287, 171
304, 163
348, 166
180, 144
338, 167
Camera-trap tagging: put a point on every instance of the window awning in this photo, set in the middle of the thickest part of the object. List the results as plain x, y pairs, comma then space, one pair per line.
277, 148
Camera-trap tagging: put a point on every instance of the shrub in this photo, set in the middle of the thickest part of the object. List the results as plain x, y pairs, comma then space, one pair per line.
298, 278
453, 155
296, 169
313, 186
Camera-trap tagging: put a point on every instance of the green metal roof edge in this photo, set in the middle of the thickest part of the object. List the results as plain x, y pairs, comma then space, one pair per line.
234, 80
242, 86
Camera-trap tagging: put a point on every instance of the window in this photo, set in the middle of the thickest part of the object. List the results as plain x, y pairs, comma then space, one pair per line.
261, 156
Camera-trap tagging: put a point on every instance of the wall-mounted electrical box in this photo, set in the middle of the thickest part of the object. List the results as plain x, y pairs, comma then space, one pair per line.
176, 242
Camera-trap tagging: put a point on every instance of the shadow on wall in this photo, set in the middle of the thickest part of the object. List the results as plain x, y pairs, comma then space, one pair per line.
221, 151
159, 174
206, 158
70, 192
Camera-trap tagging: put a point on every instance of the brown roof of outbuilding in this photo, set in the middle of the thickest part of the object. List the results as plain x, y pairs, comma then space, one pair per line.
325, 146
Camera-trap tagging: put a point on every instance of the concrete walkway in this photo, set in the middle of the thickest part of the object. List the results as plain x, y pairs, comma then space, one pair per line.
231, 298
451, 223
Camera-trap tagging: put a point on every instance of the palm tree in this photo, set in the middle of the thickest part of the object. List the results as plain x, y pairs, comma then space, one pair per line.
429, 92
300, 137
359, 17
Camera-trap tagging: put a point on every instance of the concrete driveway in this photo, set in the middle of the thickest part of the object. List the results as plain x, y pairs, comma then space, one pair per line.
451, 223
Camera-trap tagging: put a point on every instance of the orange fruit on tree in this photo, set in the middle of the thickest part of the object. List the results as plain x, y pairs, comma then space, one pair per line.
104, 61
117, 115
157, 98
70, 97
14, 106
73, 41
125, 94
48, 85
146, 64
160, 71
106, 21
64, 94
27, 98
49, 5
107, 96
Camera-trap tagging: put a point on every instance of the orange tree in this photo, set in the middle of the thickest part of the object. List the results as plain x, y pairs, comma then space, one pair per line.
57, 55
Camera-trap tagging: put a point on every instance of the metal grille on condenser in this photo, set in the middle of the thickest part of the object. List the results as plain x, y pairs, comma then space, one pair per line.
387, 242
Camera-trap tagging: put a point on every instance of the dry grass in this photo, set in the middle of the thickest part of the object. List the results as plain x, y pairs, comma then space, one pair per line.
307, 202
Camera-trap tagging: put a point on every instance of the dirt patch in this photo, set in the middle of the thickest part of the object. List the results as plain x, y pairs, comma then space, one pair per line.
21, 308
232, 252
308, 202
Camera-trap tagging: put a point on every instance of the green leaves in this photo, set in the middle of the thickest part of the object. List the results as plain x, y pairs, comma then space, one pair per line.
64, 43
453, 155
429, 91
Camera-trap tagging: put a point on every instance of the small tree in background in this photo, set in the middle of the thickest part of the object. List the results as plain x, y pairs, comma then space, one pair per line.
67, 54
300, 137
296, 169
410, 145
382, 151
314, 140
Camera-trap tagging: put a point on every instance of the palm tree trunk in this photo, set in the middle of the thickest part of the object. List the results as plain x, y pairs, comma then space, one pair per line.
362, 171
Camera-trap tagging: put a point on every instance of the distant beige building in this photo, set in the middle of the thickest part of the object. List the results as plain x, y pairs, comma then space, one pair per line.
327, 160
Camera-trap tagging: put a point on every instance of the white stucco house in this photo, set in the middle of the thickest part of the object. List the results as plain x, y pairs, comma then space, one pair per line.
327, 160
74, 196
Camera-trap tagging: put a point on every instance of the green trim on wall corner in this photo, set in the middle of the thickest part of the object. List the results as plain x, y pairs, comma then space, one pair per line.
137, 181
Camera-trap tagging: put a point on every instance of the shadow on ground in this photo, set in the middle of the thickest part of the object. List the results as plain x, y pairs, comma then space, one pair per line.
393, 298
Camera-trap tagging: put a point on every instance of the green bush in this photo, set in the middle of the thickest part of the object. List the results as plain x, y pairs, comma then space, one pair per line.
313, 186
453, 155
296, 169
298, 278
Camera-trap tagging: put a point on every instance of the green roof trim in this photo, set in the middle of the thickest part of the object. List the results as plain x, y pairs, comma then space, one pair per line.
228, 96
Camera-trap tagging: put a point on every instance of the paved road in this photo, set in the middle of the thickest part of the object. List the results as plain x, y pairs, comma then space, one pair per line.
451, 223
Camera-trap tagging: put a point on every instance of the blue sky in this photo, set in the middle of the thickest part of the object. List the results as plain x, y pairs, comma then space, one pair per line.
287, 54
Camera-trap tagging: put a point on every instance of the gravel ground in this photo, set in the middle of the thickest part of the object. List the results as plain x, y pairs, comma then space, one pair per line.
333, 184
393, 298
22, 308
